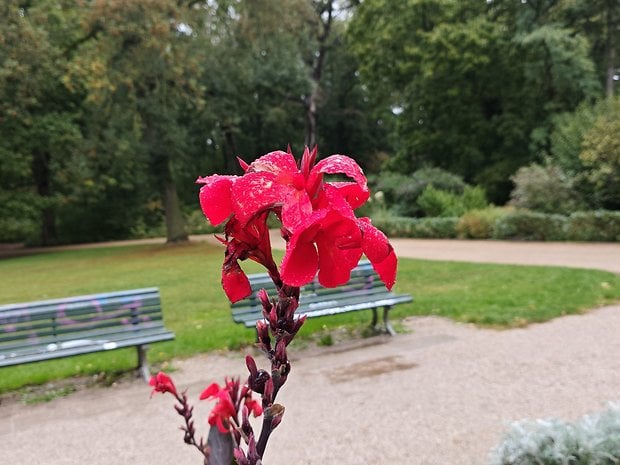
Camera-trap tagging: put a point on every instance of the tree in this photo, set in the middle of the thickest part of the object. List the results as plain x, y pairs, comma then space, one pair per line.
474, 86
141, 61
40, 134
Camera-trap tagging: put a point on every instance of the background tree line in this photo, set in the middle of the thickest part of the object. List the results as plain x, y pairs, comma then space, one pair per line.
110, 109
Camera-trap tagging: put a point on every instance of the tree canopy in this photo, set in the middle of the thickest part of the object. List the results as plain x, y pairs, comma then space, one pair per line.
110, 109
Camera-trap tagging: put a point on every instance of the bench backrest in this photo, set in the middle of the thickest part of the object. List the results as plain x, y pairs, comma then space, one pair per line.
75, 318
364, 280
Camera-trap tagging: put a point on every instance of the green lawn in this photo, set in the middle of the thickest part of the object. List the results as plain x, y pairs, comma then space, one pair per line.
196, 309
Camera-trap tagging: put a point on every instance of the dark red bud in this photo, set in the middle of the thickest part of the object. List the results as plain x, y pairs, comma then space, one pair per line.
251, 364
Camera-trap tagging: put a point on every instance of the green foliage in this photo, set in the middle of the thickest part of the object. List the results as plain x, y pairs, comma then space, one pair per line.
479, 224
437, 228
529, 225
567, 136
436, 202
597, 225
401, 191
578, 226
600, 157
438, 62
592, 440
585, 145
544, 189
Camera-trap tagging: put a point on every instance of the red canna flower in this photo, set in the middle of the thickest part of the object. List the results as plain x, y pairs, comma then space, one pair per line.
224, 409
226, 397
317, 218
161, 382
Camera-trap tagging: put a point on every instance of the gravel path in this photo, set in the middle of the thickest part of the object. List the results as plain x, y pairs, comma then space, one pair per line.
440, 394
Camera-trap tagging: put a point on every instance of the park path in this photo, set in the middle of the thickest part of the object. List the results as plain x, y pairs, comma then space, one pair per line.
440, 394
599, 255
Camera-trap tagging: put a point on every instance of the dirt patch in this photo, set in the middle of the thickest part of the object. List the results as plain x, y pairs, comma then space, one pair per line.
369, 368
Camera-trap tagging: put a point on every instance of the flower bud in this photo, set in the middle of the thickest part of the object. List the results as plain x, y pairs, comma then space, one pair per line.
275, 413
268, 394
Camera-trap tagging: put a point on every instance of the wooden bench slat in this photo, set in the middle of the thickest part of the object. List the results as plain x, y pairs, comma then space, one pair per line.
55, 328
97, 346
363, 291
16, 312
110, 332
321, 299
71, 332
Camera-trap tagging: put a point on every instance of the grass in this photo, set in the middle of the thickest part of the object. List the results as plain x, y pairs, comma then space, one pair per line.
196, 309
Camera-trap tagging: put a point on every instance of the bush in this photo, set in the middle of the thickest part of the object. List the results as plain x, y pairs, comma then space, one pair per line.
436, 202
402, 191
529, 225
593, 440
434, 228
599, 225
479, 224
544, 189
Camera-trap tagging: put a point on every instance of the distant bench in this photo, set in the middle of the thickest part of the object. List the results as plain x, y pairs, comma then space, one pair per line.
363, 291
49, 329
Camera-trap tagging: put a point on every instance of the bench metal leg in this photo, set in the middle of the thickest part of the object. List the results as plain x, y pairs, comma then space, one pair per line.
143, 365
386, 322
388, 326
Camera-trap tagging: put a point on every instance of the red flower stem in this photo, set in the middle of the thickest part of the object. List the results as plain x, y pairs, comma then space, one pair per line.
190, 433
265, 432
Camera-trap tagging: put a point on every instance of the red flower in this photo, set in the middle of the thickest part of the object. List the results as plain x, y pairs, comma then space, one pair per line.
162, 383
317, 220
224, 409
243, 242
254, 406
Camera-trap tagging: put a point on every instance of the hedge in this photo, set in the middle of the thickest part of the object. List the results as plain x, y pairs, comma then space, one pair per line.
508, 224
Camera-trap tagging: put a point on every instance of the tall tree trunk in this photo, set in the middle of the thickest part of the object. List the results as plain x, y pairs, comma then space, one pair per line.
610, 50
311, 106
230, 150
316, 62
42, 174
175, 223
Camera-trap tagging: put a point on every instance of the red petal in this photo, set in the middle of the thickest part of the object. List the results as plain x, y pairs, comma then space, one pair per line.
340, 164
236, 284
377, 248
352, 192
331, 199
255, 192
386, 269
274, 162
215, 197
307, 161
296, 209
210, 391
339, 252
301, 260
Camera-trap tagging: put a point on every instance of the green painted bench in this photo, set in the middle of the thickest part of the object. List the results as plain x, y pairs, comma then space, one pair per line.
363, 291
49, 329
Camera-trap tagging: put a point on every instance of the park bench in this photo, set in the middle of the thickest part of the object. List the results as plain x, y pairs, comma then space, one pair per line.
49, 329
363, 291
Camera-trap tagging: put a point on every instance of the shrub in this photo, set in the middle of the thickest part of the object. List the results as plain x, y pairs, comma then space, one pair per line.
402, 191
593, 440
435, 228
529, 225
436, 202
601, 225
544, 189
479, 224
